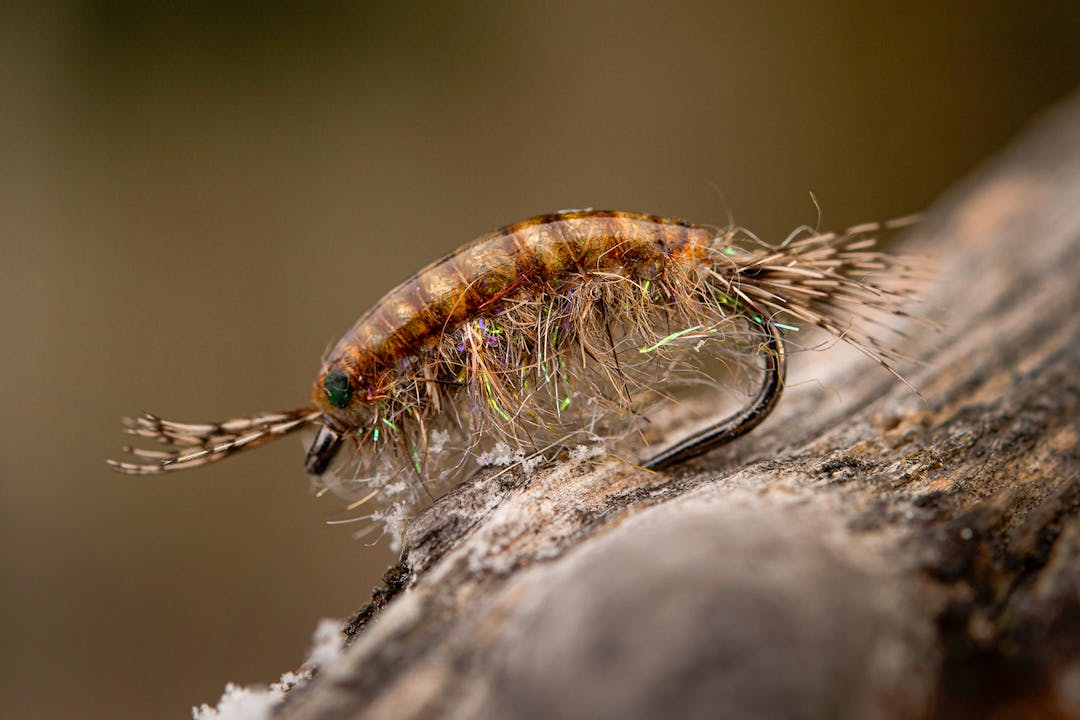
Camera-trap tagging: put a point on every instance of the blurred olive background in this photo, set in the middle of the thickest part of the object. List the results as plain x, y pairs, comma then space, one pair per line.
196, 200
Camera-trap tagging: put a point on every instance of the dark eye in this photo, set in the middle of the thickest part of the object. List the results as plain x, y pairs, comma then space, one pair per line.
338, 388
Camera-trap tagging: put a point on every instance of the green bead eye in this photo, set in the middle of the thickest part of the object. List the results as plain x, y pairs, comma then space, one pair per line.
338, 389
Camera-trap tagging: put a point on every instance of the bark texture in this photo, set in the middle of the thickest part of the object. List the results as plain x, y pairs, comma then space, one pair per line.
866, 553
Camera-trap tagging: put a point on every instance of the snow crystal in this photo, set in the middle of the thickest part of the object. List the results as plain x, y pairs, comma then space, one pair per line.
500, 455
437, 441
240, 703
586, 452
327, 643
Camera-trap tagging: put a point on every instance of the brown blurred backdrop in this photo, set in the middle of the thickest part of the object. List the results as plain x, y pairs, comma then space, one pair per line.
195, 201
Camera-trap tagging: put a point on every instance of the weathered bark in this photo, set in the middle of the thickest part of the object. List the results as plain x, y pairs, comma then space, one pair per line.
867, 553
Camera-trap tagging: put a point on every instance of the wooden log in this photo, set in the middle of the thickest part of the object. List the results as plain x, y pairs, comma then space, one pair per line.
866, 553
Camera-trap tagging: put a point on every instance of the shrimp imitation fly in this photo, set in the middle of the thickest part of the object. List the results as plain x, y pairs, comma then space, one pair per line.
563, 330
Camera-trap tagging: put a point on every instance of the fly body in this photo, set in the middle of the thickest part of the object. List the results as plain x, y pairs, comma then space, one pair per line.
563, 330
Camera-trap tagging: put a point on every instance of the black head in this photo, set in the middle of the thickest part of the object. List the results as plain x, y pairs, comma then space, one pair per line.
322, 451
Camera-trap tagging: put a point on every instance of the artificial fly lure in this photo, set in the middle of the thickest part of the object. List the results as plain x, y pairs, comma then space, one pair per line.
564, 330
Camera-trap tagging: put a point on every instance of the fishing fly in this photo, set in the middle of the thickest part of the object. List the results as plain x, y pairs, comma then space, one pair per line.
577, 328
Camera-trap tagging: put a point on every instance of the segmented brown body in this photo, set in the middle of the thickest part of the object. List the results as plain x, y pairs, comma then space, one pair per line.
581, 329
542, 249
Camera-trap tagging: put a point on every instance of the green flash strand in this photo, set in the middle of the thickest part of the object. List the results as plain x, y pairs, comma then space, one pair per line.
492, 401
670, 338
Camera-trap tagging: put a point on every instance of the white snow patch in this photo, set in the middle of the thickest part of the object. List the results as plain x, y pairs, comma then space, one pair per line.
290, 680
532, 462
437, 441
241, 703
582, 453
327, 643
500, 455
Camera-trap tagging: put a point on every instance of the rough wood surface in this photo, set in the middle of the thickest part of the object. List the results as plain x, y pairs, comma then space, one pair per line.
866, 553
